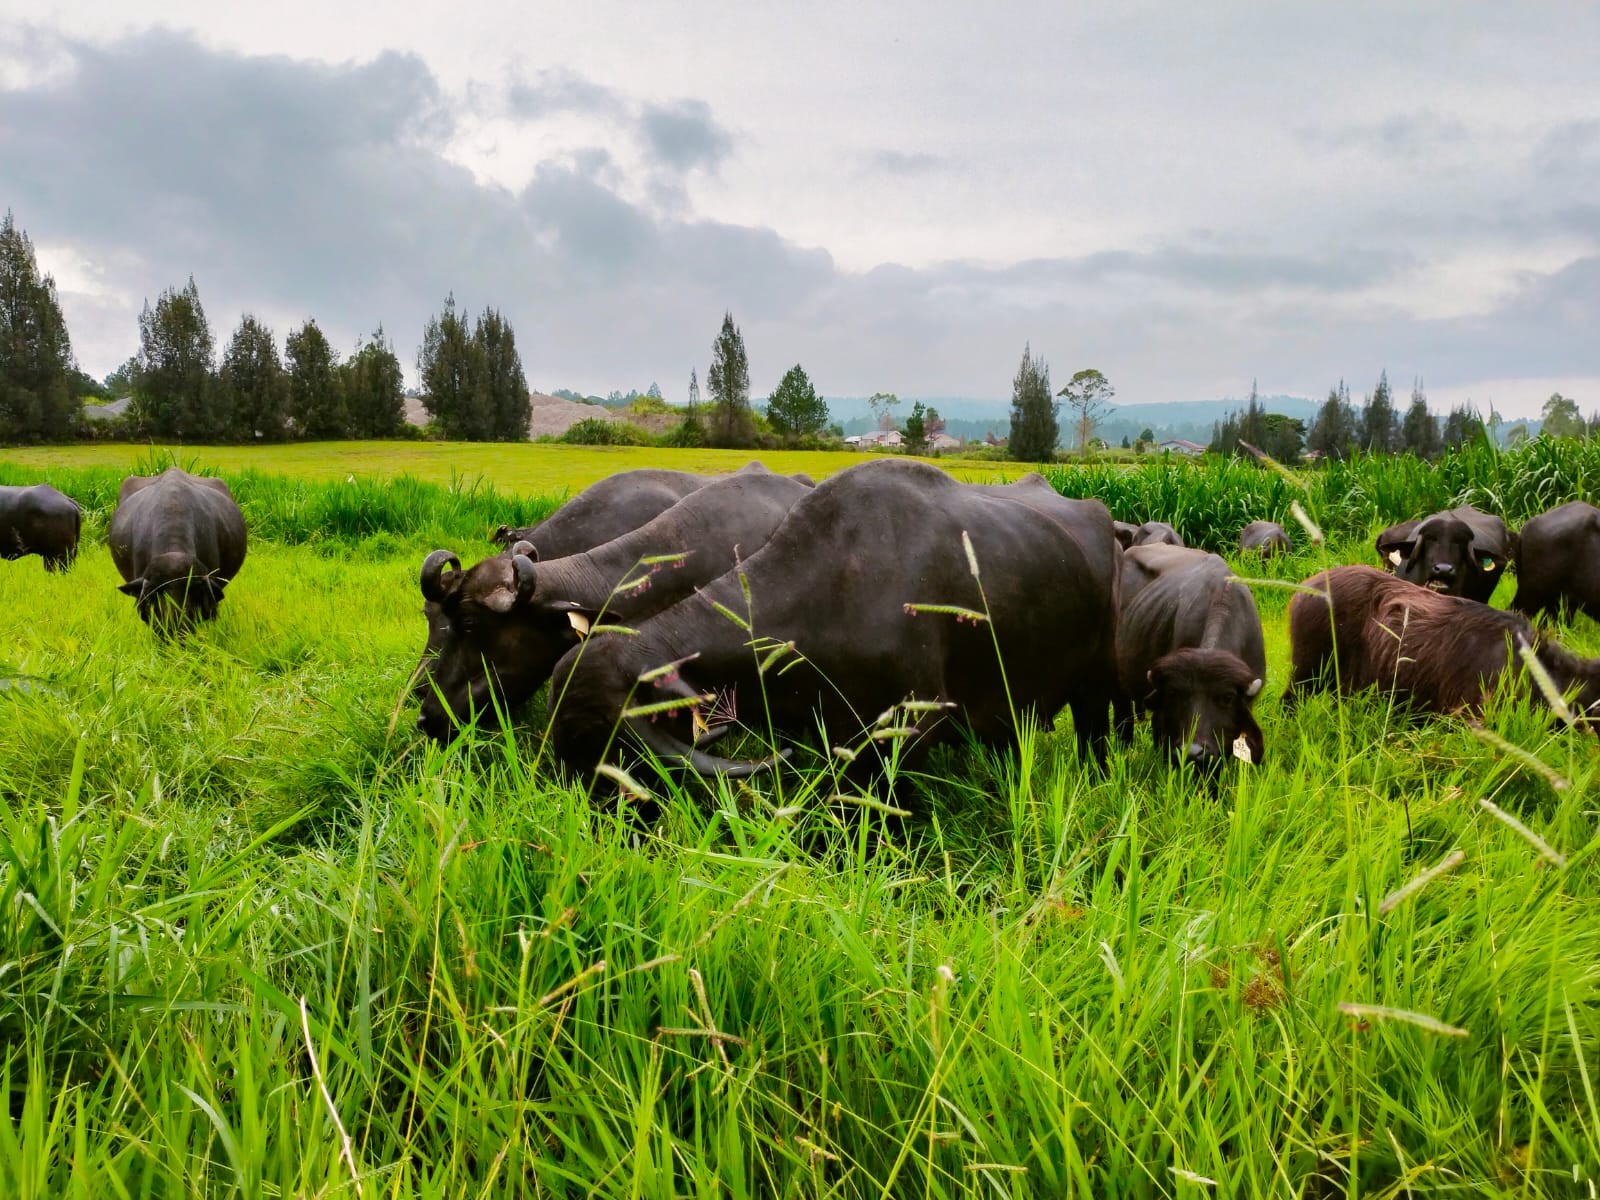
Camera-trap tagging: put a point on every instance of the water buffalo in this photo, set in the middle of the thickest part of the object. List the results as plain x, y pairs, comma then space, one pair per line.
1157, 533
1190, 652
604, 510
1266, 538
510, 618
1437, 652
177, 539
1460, 552
39, 520
1559, 560
869, 595
1126, 532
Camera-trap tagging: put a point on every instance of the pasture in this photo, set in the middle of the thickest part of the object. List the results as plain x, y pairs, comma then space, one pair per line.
257, 937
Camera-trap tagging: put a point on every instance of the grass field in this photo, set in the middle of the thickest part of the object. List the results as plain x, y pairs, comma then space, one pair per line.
258, 939
529, 468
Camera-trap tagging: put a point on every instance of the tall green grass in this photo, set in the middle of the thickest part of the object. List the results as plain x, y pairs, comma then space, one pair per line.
257, 940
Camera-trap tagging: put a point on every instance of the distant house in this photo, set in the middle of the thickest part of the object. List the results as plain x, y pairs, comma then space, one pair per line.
943, 441
1180, 446
878, 439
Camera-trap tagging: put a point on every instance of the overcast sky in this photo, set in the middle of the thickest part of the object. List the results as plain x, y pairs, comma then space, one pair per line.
1185, 197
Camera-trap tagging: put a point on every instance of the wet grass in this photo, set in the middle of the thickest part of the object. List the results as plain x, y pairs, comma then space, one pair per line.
258, 939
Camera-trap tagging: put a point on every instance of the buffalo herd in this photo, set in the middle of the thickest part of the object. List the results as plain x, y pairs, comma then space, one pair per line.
889, 609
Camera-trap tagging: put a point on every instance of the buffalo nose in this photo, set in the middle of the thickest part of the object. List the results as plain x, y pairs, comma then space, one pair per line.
1196, 751
1444, 570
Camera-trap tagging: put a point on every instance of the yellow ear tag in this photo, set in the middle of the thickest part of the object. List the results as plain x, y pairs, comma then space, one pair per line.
1489, 564
579, 623
1241, 749
1395, 557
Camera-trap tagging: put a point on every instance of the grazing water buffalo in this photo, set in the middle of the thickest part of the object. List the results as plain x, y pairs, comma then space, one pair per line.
1437, 652
510, 618
1190, 652
39, 520
824, 623
1460, 552
604, 510
1266, 538
1559, 559
1157, 533
177, 539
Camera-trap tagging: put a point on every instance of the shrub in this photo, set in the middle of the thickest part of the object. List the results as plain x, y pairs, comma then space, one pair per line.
597, 431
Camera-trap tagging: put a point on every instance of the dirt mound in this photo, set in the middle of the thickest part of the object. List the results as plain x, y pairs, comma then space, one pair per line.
550, 416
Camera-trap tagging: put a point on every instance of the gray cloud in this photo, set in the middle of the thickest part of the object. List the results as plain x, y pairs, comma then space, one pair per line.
297, 189
899, 162
685, 135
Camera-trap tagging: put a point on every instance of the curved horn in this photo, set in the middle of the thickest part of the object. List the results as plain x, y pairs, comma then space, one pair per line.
527, 549
670, 749
432, 569
522, 568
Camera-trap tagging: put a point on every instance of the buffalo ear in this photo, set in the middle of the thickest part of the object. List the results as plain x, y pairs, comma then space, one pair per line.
1253, 690
134, 588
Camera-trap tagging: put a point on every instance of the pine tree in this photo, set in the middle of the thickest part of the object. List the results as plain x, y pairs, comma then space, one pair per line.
1379, 422
1419, 431
1034, 430
253, 389
374, 389
174, 390
1333, 433
500, 407
916, 431
728, 381
316, 387
36, 364
1462, 427
445, 366
794, 409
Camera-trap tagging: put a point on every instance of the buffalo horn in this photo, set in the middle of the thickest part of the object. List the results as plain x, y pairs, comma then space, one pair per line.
670, 749
522, 568
432, 567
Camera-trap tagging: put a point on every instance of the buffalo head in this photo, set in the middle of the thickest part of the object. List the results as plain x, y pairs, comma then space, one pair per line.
1200, 706
493, 643
173, 595
1457, 555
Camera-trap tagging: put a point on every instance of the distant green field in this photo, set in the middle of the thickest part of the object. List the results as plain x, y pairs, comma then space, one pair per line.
524, 468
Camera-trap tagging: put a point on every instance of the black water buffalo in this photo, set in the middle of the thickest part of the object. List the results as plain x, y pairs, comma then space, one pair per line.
604, 510
1190, 652
177, 539
510, 618
39, 520
867, 596
1559, 560
1157, 533
1126, 532
1460, 552
1436, 652
1266, 538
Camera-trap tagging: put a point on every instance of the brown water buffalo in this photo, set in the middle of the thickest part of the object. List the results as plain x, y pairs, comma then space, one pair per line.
1436, 652
1190, 652
508, 619
39, 520
1559, 561
866, 597
178, 540
1266, 538
1461, 552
